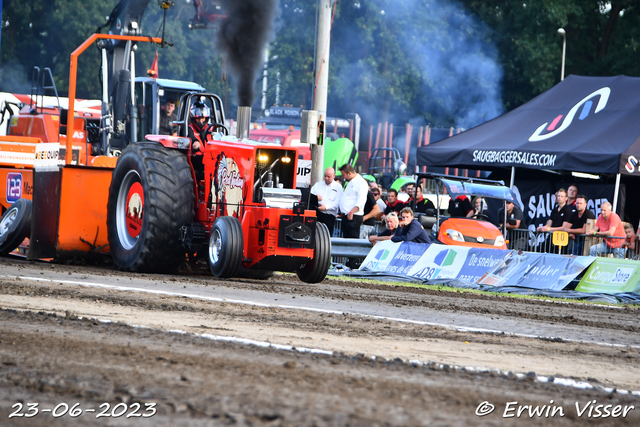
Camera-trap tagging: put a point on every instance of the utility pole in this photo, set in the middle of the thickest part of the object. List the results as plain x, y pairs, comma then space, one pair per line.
263, 103
321, 82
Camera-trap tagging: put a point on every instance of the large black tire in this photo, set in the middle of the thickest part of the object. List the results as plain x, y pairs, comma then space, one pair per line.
225, 247
15, 225
156, 184
316, 269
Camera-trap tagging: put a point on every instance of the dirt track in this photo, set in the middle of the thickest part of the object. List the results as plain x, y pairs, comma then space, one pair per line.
56, 348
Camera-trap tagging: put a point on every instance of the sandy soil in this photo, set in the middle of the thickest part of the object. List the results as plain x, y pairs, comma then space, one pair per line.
55, 348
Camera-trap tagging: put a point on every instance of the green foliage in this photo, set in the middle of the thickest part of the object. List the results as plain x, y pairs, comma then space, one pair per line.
390, 60
600, 42
43, 33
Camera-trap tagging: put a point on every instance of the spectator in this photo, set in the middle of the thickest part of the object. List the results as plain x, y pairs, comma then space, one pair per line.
410, 188
513, 212
381, 204
460, 207
630, 241
422, 203
608, 224
411, 230
329, 193
393, 204
480, 208
167, 117
392, 226
352, 201
577, 224
572, 194
371, 211
560, 214
403, 196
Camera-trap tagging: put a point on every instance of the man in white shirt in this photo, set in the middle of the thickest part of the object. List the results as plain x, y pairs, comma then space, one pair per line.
329, 193
352, 202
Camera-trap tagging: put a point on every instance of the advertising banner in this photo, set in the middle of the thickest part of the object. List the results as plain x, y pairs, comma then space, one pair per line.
610, 275
538, 271
432, 261
440, 262
479, 262
381, 255
405, 258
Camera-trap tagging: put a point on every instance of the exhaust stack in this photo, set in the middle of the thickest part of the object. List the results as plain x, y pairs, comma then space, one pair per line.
244, 122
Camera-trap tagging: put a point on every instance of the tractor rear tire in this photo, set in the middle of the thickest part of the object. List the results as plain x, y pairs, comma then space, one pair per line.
315, 270
151, 197
15, 225
225, 247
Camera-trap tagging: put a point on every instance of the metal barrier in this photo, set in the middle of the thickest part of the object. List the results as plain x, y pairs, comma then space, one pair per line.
337, 228
579, 244
351, 248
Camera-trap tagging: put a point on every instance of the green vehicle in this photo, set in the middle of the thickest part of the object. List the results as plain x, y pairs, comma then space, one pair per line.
339, 152
281, 125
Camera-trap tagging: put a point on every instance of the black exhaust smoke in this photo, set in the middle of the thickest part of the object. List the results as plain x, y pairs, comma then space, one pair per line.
242, 36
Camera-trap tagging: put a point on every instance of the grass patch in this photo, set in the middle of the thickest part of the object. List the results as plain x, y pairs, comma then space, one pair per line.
446, 288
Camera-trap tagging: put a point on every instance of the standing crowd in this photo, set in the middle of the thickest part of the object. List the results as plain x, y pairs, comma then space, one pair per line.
360, 205
570, 214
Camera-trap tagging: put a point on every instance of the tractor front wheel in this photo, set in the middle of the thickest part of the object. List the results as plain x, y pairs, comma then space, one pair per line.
315, 270
225, 247
150, 198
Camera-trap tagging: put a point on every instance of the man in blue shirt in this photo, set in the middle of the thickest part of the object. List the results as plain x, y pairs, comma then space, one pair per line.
411, 230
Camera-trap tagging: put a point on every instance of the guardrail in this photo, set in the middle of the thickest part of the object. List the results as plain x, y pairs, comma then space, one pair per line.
350, 248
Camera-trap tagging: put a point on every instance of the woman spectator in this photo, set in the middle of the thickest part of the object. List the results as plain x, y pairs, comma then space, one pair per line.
392, 226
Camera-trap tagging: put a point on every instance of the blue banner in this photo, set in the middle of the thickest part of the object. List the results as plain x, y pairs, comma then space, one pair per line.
538, 271
406, 257
479, 262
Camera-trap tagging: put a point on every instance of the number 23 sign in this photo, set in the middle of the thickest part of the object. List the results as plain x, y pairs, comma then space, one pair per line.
14, 186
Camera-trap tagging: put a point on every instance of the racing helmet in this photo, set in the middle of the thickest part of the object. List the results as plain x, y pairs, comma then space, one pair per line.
199, 109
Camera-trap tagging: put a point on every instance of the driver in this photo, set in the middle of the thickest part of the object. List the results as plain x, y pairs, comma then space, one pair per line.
198, 134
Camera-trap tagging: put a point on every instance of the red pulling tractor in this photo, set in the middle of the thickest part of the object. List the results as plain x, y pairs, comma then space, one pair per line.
150, 206
160, 206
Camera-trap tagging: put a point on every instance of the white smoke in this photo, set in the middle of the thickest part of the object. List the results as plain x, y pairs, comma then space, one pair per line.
13, 78
451, 66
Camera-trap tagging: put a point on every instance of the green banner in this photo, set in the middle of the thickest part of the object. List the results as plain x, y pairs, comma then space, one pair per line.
610, 275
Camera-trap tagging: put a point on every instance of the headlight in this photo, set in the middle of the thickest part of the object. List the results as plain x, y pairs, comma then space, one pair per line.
499, 241
263, 158
286, 159
455, 235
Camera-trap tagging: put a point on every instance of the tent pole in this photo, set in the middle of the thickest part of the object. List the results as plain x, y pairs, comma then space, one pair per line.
615, 194
513, 177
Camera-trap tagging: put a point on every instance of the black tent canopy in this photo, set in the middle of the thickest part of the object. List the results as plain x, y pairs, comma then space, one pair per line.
583, 124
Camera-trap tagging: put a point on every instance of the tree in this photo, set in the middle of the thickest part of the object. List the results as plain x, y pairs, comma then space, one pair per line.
602, 38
